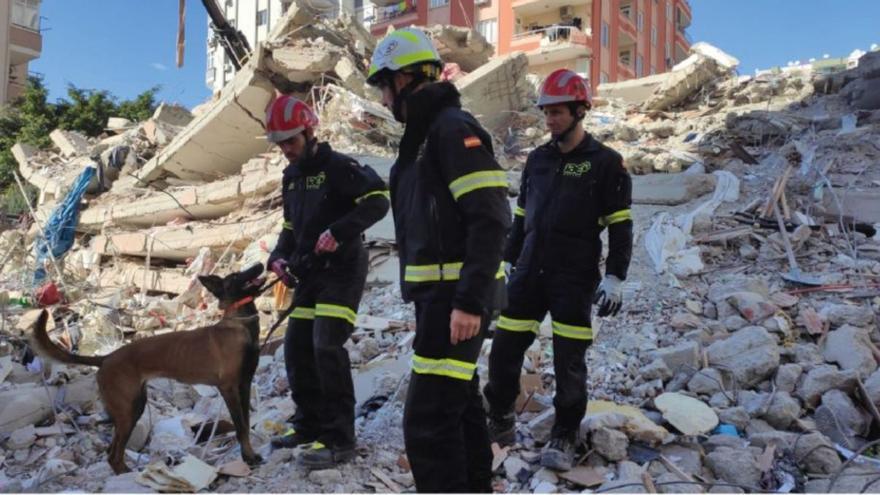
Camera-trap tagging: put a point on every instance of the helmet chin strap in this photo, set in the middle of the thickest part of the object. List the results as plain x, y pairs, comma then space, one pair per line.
562, 136
401, 96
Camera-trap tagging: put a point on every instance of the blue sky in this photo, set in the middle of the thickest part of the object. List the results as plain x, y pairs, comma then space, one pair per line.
127, 46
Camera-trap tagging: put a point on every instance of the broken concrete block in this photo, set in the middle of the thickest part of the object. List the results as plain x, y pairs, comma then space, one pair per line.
22, 438
610, 444
850, 348
823, 378
751, 354
688, 415
174, 115
461, 45
815, 459
118, 124
352, 77
685, 79
735, 466
496, 88
752, 306
670, 189
633, 91
121, 274
30, 405
304, 61
680, 357
627, 419
71, 143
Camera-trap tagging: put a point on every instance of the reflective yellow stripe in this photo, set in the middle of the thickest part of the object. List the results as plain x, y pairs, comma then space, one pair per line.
477, 180
318, 445
411, 58
500, 273
373, 193
572, 331
451, 368
519, 211
432, 273
303, 313
336, 311
286, 225
411, 37
514, 325
616, 217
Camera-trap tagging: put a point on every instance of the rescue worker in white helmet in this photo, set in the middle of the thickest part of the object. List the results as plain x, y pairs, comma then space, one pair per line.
451, 215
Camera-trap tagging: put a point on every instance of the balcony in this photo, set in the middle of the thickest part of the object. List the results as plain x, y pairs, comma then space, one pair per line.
529, 8
685, 7
398, 14
625, 70
553, 44
627, 24
26, 14
682, 38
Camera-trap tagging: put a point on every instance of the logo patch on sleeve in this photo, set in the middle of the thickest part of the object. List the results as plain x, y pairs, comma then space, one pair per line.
472, 142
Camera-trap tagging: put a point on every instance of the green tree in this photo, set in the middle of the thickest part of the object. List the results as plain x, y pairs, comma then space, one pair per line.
87, 111
140, 108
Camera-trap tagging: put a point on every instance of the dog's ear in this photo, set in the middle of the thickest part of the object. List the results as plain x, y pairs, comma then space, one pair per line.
214, 284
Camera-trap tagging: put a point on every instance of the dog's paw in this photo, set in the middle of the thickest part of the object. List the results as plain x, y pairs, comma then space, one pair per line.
253, 459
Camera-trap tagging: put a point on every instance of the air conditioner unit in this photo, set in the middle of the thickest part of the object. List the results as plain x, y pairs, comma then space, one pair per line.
566, 11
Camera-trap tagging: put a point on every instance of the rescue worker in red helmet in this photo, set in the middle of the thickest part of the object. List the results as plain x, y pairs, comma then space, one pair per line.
572, 188
329, 200
451, 216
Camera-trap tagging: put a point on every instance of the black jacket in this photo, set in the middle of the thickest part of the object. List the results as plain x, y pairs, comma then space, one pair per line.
450, 206
565, 201
328, 190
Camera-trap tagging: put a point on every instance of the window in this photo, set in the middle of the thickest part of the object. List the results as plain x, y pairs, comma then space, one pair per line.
653, 69
437, 3
262, 17
669, 12
639, 66
625, 58
603, 77
641, 22
668, 50
489, 30
604, 35
654, 35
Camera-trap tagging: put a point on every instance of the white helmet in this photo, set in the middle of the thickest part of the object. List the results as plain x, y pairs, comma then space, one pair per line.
403, 48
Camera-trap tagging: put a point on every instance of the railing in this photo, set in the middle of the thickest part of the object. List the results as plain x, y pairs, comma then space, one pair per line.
26, 14
684, 34
557, 33
385, 14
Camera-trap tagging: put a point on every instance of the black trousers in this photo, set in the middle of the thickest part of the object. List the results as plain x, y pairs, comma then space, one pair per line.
531, 295
318, 367
444, 424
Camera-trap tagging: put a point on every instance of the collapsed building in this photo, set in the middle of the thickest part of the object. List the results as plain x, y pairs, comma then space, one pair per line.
747, 359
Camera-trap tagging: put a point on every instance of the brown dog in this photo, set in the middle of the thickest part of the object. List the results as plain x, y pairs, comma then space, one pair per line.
224, 355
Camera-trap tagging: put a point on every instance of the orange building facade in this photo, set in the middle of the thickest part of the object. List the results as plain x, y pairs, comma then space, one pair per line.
604, 40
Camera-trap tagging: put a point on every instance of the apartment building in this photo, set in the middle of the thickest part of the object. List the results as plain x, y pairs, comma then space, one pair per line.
605, 40
20, 42
255, 18
402, 13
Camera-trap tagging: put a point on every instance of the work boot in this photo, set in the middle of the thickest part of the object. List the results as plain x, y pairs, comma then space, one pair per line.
291, 439
559, 454
319, 456
502, 429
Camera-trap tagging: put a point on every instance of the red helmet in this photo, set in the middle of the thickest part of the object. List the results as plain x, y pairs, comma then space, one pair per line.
564, 86
288, 116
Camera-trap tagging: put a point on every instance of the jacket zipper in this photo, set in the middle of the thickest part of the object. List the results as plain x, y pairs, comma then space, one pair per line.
435, 216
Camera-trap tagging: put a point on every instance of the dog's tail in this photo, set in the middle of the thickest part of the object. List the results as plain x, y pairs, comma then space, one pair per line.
54, 351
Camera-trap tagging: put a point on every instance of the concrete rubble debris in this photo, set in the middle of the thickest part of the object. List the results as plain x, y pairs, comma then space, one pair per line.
713, 335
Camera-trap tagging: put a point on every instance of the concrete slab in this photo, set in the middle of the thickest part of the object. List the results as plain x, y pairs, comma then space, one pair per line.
122, 275
71, 143
860, 205
460, 45
216, 143
684, 80
496, 88
180, 242
634, 90
670, 189
175, 115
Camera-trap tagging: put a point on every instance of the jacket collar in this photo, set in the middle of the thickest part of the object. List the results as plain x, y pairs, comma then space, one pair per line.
587, 145
422, 107
311, 165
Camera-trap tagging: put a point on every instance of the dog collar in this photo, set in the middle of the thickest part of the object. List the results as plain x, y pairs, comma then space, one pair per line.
239, 304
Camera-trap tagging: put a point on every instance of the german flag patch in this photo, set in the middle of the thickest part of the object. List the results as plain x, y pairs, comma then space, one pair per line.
472, 142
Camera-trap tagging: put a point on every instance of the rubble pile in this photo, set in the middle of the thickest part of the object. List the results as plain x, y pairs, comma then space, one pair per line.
746, 360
